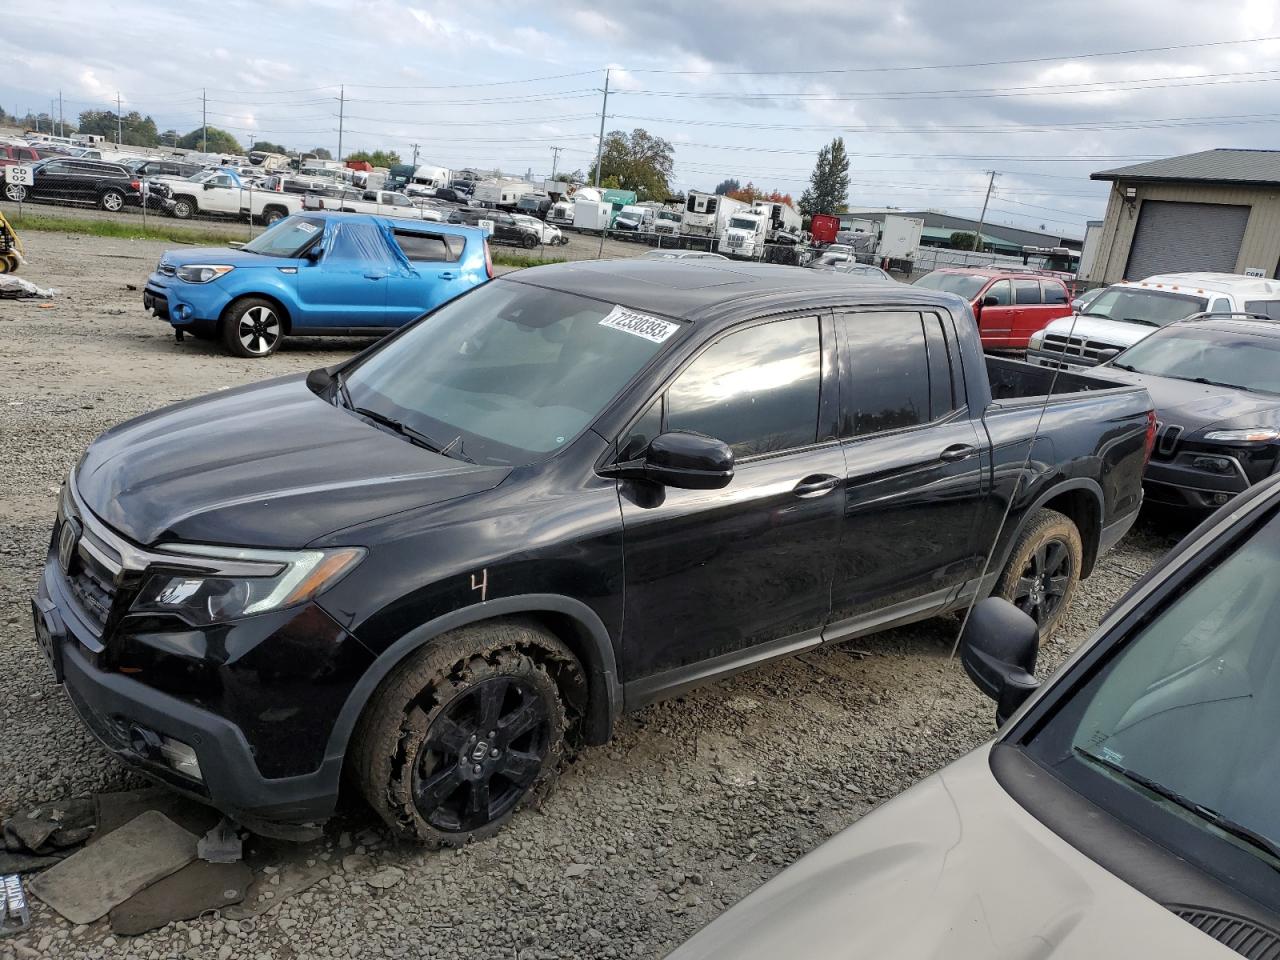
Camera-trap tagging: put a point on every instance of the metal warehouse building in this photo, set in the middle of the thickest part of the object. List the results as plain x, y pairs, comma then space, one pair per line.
1218, 210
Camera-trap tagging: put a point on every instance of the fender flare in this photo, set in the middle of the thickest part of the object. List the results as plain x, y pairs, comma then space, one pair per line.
1054, 490
594, 648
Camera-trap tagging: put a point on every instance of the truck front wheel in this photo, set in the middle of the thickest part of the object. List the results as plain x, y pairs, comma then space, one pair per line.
1043, 570
184, 208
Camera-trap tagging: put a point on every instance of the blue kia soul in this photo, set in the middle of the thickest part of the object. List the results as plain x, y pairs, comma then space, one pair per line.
316, 274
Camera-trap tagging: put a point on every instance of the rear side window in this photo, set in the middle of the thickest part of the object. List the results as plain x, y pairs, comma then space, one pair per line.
942, 398
1026, 291
756, 389
425, 247
1268, 308
888, 379
1054, 292
1000, 290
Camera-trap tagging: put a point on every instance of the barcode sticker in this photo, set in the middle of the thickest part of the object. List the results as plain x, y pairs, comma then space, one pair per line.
639, 324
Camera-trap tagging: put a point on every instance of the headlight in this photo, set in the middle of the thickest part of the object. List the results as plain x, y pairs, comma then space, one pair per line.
241, 582
203, 272
1246, 434
1037, 338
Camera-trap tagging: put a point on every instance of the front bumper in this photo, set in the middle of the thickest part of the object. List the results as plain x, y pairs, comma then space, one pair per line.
183, 304
1187, 481
115, 679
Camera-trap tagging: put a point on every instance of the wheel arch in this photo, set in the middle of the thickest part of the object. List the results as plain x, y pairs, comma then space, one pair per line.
571, 621
1080, 500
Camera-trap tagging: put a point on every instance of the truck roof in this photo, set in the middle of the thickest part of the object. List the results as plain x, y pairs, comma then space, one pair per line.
704, 289
1211, 282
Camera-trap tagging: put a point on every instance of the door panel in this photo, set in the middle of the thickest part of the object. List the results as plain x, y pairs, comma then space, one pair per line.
433, 279
348, 286
719, 573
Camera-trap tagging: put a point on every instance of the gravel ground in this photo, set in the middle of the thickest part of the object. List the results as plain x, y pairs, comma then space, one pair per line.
695, 803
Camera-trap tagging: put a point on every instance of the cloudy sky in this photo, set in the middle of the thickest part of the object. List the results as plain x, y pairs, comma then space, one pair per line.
928, 94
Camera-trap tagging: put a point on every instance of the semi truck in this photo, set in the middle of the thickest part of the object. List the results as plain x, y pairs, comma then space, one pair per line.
745, 235
706, 216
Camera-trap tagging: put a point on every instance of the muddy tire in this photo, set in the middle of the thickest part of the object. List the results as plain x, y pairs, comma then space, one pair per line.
1043, 571
466, 732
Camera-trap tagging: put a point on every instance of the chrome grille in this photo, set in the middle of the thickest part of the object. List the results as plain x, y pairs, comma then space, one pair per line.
1075, 349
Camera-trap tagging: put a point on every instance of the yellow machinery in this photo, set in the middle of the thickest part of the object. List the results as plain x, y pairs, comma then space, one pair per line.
10, 247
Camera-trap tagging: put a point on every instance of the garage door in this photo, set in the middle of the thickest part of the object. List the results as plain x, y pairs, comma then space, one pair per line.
1180, 237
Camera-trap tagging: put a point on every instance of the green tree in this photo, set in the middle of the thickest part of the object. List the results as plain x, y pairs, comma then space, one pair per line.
170, 138
727, 186
639, 161
219, 141
963, 240
828, 190
321, 153
266, 146
133, 127
378, 158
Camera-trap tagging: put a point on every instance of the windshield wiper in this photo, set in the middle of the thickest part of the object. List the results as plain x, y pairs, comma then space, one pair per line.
1124, 366
1208, 814
413, 435
1144, 323
1215, 383
342, 394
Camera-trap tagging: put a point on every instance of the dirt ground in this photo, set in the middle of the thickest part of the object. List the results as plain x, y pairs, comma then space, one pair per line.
695, 803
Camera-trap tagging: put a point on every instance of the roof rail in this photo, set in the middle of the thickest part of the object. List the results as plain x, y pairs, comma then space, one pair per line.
1226, 315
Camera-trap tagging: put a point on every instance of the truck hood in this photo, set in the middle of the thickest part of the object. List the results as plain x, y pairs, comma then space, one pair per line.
1115, 332
1196, 406
953, 869
236, 258
267, 465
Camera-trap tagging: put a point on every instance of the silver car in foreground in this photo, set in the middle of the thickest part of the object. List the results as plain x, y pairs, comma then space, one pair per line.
1130, 807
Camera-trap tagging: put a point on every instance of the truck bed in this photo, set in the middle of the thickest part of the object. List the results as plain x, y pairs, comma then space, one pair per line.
1016, 380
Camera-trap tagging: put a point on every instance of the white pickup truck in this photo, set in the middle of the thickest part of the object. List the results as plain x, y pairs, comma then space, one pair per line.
221, 192
382, 202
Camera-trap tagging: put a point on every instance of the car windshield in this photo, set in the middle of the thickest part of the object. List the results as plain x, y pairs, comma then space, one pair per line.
1182, 715
1191, 352
514, 372
830, 260
965, 285
1150, 308
288, 238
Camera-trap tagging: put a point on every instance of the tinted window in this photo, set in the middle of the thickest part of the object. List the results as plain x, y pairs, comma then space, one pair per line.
1026, 291
888, 372
642, 431
1221, 305
941, 390
1268, 308
964, 284
999, 290
757, 389
423, 247
55, 166
1054, 292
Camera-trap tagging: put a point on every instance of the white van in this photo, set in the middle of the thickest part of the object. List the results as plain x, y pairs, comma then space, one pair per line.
1124, 313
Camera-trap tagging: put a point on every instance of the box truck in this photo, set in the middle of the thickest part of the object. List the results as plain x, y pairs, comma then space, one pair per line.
706, 214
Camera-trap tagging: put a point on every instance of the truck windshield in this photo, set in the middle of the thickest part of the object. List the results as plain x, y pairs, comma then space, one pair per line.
1174, 732
965, 285
515, 372
288, 238
1242, 360
742, 223
1150, 308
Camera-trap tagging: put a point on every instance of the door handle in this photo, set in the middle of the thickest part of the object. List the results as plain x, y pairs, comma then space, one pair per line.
815, 486
374, 276
958, 451
448, 275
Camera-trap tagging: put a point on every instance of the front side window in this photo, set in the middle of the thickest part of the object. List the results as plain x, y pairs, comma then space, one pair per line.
1175, 732
756, 389
999, 293
888, 378
513, 371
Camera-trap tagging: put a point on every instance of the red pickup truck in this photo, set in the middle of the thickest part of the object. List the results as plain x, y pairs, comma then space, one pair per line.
12, 154
1009, 306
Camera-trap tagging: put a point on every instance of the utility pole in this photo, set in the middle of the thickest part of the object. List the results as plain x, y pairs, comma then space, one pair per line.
204, 120
342, 103
555, 161
604, 105
415, 155
62, 127
119, 124
982, 219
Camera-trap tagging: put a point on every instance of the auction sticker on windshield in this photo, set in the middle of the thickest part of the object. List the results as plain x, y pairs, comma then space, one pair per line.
306, 227
638, 324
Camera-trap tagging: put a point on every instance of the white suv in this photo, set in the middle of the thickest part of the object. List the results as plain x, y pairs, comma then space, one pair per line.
1124, 313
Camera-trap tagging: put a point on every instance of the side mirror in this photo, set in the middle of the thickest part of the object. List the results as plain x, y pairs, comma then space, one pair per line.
1077, 305
312, 253
998, 649
990, 301
1109, 354
688, 461
208, 186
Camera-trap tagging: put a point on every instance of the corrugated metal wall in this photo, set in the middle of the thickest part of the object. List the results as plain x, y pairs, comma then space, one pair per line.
1176, 237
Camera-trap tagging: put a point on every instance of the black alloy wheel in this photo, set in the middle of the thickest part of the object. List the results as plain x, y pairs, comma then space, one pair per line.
481, 754
1044, 582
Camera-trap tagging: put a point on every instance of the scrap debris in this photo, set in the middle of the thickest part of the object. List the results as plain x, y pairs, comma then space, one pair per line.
15, 288
15, 915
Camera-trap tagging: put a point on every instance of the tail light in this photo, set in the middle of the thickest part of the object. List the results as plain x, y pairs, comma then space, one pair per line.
135, 185
1149, 442
488, 260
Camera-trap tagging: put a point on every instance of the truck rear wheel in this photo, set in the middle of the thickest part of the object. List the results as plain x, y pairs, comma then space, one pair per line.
1043, 570
465, 732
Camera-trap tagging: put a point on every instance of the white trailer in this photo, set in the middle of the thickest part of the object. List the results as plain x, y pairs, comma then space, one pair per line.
706, 214
784, 223
899, 238
431, 176
501, 193
589, 214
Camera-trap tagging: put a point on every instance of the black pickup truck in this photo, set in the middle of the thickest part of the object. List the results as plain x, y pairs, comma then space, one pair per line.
574, 490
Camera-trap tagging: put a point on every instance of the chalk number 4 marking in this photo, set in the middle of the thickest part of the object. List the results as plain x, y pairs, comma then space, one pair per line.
482, 584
